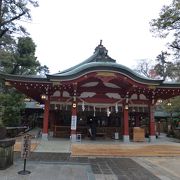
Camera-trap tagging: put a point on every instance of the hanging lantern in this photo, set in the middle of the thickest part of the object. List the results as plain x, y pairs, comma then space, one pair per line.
43, 97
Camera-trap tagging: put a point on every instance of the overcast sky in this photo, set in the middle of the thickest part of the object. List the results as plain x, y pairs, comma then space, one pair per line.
66, 32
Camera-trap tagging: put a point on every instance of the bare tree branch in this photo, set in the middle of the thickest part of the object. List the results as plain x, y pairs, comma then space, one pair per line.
12, 19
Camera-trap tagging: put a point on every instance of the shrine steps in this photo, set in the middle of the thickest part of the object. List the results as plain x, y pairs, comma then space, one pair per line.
125, 150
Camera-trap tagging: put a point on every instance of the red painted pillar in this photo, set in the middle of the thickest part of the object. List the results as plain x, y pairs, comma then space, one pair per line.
73, 121
45, 119
151, 123
126, 124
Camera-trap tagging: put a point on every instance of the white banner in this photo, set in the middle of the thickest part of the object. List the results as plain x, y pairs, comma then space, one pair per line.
73, 122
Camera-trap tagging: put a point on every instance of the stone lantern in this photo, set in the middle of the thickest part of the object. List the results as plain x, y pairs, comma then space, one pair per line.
6, 149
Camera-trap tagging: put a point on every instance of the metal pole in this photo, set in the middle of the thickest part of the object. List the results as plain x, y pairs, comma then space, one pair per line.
24, 165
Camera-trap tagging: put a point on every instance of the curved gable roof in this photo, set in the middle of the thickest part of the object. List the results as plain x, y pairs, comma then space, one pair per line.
102, 66
100, 55
100, 61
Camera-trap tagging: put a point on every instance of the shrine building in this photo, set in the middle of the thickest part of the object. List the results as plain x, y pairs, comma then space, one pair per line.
111, 95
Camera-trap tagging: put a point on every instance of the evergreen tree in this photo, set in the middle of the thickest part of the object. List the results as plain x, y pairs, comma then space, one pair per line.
11, 13
11, 106
168, 23
17, 55
21, 60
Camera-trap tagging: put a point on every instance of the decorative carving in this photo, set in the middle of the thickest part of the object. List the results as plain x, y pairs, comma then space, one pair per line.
102, 54
106, 76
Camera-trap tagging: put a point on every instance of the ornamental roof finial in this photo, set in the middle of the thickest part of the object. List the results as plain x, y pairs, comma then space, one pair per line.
100, 42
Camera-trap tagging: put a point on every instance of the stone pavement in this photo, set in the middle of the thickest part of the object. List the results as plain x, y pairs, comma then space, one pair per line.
166, 168
54, 145
52, 160
61, 166
48, 171
53, 166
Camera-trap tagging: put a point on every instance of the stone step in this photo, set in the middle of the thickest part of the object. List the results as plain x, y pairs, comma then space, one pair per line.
124, 150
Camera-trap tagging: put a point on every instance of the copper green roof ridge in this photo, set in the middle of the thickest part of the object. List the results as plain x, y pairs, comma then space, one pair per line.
22, 77
102, 66
100, 61
71, 68
168, 84
100, 55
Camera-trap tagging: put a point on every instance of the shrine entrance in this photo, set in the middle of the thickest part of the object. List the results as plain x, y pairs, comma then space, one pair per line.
97, 93
107, 121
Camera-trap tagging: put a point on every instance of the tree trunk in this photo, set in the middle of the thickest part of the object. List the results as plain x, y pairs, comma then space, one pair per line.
3, 132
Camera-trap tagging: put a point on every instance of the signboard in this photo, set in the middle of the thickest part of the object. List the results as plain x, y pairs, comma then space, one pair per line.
26, 146
73, 122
